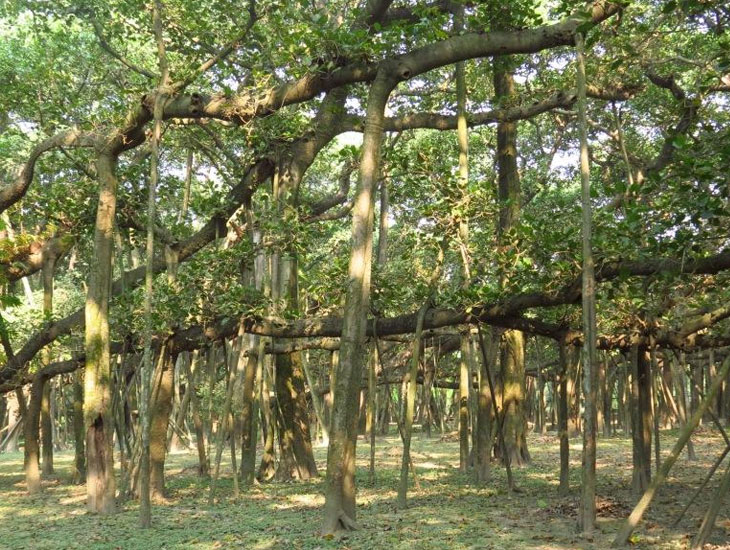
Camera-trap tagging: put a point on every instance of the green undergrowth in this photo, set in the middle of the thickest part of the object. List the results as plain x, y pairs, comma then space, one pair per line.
446, 510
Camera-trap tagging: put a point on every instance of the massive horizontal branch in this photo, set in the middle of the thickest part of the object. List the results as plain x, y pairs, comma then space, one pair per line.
250, 104
560, 99
245, 106
507, 313
29, 259
686, 336
254, 103
320, 211
689, 335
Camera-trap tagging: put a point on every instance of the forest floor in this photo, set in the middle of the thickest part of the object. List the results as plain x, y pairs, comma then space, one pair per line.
446, 512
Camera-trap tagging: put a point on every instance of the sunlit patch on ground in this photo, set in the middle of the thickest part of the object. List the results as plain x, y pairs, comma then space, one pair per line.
446, 512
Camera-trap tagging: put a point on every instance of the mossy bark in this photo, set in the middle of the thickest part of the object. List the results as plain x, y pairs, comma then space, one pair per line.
340, 507
160, 409
512, 356
98, 415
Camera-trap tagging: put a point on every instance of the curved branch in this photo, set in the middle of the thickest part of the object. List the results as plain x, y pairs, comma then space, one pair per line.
13, 192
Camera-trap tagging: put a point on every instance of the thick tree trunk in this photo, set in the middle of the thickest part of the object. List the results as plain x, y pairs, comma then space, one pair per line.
296, 456
31, 433
47, 271
340, 505
98, 415
512, 357
249, 413
267, 467
78, 426
641, 419
513, 391
296, 459
587, 515
645, 408
160, 409
573, 397
654, 397
46, 430
464, 389
564, 366
462, 136
489, 417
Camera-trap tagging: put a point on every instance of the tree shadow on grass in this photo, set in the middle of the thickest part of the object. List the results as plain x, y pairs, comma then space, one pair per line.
447, 511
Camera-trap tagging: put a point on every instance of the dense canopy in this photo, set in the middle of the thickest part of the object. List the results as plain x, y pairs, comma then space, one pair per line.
264, 220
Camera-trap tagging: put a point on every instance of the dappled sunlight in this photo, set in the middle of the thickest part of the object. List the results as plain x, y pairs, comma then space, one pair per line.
446, 510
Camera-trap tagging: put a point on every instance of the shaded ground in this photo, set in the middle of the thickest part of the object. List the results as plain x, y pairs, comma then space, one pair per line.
445, 513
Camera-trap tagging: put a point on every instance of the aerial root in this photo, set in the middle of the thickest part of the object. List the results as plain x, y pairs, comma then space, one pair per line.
348, 524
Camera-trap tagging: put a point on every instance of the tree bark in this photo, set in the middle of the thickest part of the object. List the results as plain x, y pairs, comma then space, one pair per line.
234, 376
192, 370
98, 415
512, 357
410, 406
267, 466
46, 430
249, 413
151, 482
485, 405
565, 360
464, 389
296, 458
47, 272
31, 433
641, 470
587, 515
680, 378
160, 409
78, 425
340, 505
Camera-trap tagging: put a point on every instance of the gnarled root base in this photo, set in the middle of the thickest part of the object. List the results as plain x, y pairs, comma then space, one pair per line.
341, 522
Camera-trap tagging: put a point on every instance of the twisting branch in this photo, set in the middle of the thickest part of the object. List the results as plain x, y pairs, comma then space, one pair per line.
319, 208
686, 119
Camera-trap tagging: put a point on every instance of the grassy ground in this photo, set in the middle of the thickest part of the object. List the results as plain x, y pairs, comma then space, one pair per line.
446, 512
